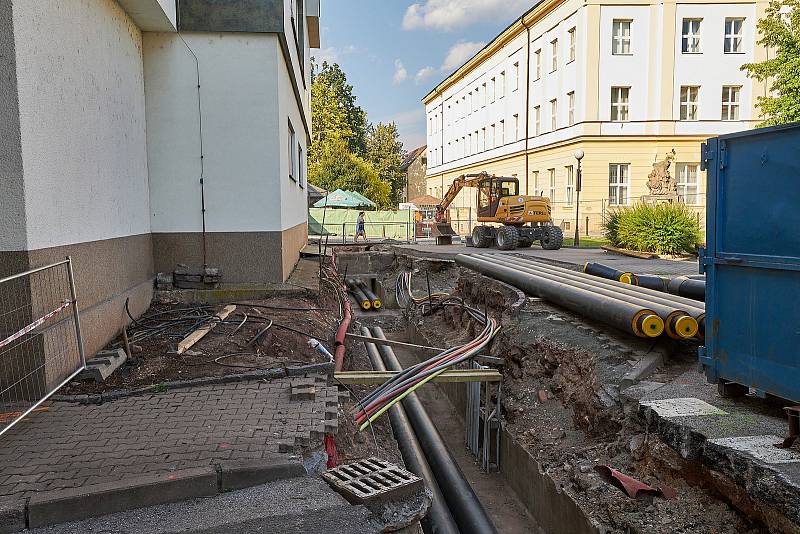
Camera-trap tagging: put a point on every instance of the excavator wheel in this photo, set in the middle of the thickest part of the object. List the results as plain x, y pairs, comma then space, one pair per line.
552, 238
507, 238
480, 237
525, 242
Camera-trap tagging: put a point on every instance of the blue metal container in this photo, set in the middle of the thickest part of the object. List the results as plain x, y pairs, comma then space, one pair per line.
752, 260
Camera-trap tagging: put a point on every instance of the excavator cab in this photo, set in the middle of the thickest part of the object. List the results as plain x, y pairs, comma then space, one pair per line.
491, 190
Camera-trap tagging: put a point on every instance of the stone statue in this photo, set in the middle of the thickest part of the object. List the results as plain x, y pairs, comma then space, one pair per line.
659, 181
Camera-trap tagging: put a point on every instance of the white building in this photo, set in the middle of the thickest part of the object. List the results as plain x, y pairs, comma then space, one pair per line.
101, 107
627, 83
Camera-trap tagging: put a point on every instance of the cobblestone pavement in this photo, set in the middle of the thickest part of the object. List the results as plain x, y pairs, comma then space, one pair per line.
72, 445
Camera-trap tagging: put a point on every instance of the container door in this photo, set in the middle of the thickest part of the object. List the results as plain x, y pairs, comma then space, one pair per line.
753, 260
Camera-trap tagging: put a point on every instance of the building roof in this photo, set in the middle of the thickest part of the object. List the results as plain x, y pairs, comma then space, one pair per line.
314, 190
411, 156
425, 200
508, 33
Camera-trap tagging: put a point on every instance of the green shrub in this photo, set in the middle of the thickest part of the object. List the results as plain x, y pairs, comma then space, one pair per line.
659, 228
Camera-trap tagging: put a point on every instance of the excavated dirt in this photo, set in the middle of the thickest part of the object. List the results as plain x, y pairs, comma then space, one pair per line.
562, 402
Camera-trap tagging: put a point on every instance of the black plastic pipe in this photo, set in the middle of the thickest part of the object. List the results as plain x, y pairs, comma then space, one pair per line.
692, 307
376, 302
464, 505
438, 520
650, 281
359, 295
688, 287
610, 273
639, 320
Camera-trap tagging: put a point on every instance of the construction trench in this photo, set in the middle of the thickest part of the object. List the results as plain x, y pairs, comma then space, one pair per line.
568, 433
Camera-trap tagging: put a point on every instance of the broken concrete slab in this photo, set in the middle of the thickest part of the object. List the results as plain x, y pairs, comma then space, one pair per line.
102, 365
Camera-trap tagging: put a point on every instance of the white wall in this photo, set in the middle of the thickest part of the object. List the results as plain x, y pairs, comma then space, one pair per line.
242, 125
82, 121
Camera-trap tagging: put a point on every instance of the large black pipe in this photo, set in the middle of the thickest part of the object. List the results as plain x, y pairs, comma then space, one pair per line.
649, 297
677, 322
376, 302
609, 273
639, 320
688, 287
438, 520
359, 295
467, 510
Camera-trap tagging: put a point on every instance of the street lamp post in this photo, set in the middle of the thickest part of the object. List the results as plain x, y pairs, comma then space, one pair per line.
579, 156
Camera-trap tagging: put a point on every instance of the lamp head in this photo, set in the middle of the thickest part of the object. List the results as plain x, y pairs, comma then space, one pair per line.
578, 154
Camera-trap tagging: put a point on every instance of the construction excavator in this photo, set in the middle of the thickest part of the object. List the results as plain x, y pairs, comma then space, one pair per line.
523, 219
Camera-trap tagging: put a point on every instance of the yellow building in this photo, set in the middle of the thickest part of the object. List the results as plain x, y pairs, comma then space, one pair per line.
625, 82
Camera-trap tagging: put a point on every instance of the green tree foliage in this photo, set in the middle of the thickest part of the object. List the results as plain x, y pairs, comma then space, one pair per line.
660, 228
780, 32
335, 112
338, 168
385, 153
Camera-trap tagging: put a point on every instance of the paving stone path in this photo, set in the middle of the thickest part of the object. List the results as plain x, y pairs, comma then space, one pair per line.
72, 445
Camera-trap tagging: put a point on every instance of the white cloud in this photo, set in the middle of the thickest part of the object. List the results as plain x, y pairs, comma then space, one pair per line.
400, 72
329, 54
459, 53
423, 74
452, 14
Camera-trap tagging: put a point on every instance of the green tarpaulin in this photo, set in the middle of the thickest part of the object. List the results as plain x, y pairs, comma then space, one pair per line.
377, 224
344, 199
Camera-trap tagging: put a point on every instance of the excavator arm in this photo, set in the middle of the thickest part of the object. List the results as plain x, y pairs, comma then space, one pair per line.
465, 180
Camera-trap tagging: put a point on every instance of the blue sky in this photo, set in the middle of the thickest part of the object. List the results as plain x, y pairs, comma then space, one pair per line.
395, 51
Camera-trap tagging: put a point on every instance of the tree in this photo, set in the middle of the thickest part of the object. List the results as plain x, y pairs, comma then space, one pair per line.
385, 152
780, 31
338, 168
334, 109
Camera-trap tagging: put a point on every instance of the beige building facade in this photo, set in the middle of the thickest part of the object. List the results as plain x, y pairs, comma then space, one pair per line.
626, 83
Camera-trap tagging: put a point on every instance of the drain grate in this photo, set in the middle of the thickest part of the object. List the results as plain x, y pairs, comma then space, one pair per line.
371, 479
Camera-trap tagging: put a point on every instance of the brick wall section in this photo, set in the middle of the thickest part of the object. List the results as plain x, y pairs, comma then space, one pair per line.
74, 445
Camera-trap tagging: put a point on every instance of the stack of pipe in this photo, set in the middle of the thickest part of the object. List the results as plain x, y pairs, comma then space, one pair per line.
363, 294
682, 286
644, 312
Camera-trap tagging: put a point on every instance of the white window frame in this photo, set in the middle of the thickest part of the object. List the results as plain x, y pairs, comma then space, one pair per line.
690, 107
292, 154
483, 101
691, 41
571, 108
553, 115
516, 75
300, 166
493, 85
619, 183
483, 135
620, 104
537, 64
687, 178
493, 135
551, 175
731, 102
620, 42
554, 55
571, 33
537, 115
502, 85
734, 41
536, 191
569, 185
502, 132
516, 127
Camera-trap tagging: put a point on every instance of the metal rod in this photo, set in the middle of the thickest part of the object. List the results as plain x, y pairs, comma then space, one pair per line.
75, 312
33, 271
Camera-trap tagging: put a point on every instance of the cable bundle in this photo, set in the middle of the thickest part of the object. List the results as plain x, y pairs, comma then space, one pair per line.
405, 295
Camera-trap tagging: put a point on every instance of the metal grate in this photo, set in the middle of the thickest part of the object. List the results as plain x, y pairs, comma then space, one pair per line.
371, 479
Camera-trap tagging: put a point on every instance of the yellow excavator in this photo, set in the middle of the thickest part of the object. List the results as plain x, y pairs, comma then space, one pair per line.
523, 219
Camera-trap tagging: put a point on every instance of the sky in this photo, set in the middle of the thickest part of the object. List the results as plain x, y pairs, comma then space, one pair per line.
395, 51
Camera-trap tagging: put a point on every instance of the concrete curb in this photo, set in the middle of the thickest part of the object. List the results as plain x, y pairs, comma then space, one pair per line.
75, 504
155, 389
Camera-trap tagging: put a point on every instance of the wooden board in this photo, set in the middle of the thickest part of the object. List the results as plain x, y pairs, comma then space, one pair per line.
455, 375
198, 334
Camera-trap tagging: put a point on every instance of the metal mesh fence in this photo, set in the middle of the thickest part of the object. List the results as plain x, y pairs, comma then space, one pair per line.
40, 341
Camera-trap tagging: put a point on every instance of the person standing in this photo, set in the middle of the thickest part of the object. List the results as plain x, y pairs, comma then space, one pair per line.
360, 226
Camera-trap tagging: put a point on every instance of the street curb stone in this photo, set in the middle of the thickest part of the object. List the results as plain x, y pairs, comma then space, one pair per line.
240, 475
62, 506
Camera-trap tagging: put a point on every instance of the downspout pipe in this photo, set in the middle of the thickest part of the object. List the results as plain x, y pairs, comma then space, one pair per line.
527, 101
464, 505
438, 520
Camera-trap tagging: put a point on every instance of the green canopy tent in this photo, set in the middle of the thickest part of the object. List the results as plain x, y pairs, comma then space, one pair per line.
345, 199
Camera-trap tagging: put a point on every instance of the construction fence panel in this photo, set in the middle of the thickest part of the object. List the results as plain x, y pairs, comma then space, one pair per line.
340, 224
40, 341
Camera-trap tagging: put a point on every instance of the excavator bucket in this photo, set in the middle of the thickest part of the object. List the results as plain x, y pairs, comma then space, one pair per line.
443, 233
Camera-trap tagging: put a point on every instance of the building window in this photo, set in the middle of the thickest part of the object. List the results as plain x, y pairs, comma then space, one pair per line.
502, 132
554, 55
292, 154
571, 33
516, 75
469, 103
477, 141
301, 171
537, 56
571, 108
483, 87
620, 97
516, 127
570, 189
551, 174
689, 102
690, 39
618, 182
477, 99
733, 36
537, 118
621, 38
553, 114
535, 180
688, 183
492, 135
483, 137
730, 102
493, 89
501, 89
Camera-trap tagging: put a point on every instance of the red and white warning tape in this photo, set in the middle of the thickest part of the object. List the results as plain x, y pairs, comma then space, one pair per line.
35, 324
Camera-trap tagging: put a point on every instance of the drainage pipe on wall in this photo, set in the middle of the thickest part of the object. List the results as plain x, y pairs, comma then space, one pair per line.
438, 520
639, 320
464, 505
